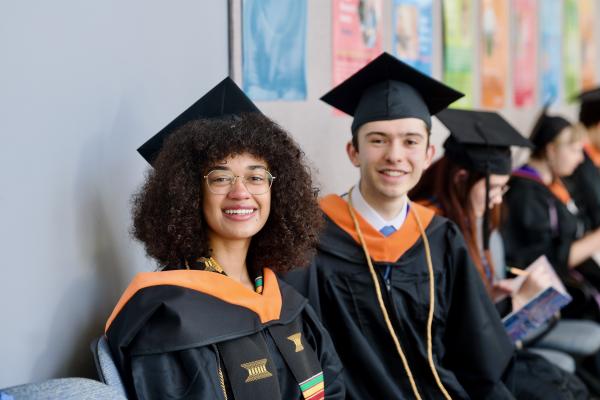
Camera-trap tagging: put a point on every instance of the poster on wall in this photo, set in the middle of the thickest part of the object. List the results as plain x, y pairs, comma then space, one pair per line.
587, 11
458, 49
550, 58
412, 25
525, 50
571, 50
357, 36
494, 52
273, 49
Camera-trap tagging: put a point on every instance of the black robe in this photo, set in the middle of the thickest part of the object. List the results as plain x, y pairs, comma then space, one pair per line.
471, 350
584, 186
189, 334
537, 222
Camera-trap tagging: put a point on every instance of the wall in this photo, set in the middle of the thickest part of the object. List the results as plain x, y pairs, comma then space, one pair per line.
323, 135
82, 85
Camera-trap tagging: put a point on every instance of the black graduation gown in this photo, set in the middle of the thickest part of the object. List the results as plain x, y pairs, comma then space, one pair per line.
189, 334
584, 187
470, 347
538, 223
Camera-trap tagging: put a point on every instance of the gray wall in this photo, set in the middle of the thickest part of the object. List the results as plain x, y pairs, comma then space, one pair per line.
82, 85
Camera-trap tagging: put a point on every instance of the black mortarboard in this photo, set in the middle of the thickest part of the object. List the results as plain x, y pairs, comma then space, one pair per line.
225, 99
547, 128
481, 140
589, 113
388, 88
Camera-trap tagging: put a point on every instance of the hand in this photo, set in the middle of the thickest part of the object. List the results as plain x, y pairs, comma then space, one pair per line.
502, 289
537, 280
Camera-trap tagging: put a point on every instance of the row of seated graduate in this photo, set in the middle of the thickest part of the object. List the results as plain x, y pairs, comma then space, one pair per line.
265, 291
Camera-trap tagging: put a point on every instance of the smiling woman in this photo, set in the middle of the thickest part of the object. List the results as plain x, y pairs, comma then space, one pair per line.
215, 322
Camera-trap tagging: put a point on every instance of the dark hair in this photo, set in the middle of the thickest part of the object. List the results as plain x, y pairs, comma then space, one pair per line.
588, 113
440, 188
167, 211
577, 133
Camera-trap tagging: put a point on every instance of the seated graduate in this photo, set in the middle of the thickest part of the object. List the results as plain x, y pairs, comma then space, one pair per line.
392, 282
542, 219
228, 203
584, 183
478, 149
473, 172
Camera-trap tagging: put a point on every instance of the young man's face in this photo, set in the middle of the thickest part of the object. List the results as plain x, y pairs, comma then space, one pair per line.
392, 156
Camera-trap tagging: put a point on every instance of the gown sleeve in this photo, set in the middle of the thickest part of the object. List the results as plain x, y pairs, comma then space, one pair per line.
320, 340
529, 233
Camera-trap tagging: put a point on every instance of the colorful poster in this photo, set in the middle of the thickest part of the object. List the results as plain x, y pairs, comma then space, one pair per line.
571, 50
412, 33
494, 52
273, 53
525, 50
587, 11
357, 36
550, 59
458, 49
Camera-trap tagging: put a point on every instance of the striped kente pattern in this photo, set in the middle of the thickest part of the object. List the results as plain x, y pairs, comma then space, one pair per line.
313, 388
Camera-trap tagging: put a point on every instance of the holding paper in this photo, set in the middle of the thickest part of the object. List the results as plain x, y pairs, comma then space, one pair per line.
539, 294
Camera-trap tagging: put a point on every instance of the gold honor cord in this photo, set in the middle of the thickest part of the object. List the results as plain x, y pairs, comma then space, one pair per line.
384, 310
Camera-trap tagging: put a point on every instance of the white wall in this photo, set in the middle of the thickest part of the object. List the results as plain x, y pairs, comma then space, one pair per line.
82, 85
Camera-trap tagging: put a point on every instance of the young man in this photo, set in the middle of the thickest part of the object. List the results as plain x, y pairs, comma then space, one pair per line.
393, 283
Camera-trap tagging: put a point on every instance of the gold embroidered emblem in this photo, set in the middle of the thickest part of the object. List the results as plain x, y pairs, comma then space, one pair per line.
296, 338
256, 370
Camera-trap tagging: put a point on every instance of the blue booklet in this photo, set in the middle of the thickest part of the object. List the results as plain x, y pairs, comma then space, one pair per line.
535, 313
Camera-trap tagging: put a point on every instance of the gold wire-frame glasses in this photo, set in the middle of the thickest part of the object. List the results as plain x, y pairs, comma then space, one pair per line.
256, 182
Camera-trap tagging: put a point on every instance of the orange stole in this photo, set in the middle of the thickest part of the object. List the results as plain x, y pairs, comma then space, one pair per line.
381, 248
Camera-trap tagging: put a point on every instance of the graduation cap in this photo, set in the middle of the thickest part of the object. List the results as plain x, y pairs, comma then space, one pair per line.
589, 113
547, 128
480, 141
225, 99
387, 89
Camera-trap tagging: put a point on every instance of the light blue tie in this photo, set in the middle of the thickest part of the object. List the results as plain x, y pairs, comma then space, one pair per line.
387, 230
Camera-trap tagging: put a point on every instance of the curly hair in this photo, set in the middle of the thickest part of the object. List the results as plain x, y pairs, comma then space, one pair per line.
167, 211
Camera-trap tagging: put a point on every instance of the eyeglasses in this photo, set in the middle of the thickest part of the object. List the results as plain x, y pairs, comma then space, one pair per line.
256, 182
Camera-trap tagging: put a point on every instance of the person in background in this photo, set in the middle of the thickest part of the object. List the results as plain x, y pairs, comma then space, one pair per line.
584, 183
228, 203
478, 149
542, 219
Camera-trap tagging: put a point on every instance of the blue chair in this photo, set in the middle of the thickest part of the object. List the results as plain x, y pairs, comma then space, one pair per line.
64, 389
105, 365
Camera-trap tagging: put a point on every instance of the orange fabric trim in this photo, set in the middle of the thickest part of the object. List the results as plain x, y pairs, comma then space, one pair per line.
381, 248
560, 191
267, 305
593, 153
433, 207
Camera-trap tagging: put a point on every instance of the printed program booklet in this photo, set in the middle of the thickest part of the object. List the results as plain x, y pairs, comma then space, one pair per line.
540, 308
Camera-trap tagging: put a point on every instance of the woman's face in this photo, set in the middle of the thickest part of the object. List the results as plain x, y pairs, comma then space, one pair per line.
564, 154
235, 213
497, 189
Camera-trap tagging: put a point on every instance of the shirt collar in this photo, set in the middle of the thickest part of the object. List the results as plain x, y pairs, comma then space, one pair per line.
372, 216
